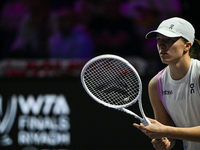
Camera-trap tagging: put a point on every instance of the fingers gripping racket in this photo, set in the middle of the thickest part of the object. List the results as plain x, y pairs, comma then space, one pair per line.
113, 82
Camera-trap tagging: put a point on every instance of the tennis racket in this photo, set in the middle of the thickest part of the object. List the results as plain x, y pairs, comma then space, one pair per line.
114, 82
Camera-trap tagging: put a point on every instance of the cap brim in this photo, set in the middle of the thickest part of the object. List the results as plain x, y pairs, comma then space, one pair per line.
153, 34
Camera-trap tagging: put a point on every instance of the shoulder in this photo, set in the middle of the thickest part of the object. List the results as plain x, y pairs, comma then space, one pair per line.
153, 82
196, 63
156, 79
153, 89
196, 68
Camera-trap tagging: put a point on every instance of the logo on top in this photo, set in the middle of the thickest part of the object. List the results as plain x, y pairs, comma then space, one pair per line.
171, 26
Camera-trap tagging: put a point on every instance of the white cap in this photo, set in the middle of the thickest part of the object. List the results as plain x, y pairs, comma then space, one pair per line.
174, 27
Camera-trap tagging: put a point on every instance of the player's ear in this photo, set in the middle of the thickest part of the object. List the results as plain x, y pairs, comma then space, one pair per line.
188, 45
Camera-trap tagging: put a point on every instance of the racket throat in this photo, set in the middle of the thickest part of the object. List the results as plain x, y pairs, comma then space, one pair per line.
144, 120
132, 113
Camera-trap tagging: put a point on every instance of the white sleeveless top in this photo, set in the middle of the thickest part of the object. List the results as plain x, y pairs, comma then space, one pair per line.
181, 98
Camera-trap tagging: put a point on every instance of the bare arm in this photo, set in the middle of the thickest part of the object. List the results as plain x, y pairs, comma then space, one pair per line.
159, 111
189, 134
154, 131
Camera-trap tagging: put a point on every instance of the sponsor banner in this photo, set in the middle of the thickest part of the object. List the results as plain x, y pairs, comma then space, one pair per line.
42, 121
34, 114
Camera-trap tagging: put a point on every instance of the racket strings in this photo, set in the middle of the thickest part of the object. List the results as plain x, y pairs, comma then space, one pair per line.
112, 81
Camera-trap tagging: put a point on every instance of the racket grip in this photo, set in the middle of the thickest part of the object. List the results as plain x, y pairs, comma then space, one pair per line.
145, 122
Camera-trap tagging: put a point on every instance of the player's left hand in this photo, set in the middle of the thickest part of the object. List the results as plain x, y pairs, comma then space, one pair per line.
155, 131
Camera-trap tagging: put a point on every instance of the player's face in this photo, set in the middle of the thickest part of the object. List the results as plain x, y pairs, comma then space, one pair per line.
170, 49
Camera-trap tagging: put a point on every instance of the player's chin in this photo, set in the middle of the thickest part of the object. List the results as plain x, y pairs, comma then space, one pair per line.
165, 61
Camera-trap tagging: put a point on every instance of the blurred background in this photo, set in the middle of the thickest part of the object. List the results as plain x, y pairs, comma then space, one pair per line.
40, 29
43, 47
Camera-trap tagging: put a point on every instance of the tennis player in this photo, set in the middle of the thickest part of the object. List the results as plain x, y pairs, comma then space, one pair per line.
175, 91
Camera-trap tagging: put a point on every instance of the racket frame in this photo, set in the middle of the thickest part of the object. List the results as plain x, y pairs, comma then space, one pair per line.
142, 119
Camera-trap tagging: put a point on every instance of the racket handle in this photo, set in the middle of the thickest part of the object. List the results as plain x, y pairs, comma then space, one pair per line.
145, 122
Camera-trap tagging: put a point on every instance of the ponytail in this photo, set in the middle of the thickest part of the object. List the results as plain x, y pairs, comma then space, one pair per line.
195, 50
